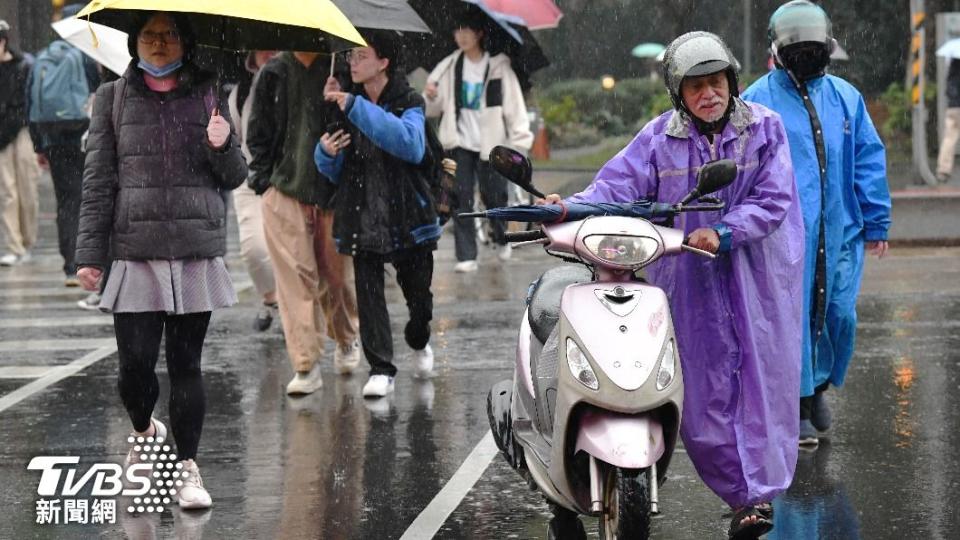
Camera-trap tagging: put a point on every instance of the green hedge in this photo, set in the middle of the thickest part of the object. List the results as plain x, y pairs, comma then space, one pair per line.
579, 112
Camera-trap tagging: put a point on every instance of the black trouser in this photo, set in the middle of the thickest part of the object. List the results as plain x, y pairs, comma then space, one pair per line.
66, 170
414, 273
138, 345
806, 403
493, 194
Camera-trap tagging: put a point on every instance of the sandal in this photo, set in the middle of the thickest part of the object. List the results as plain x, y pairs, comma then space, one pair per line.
751, 531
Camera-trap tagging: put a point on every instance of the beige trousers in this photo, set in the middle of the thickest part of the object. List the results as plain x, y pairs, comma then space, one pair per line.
948, 146
19, 204
253, 244
315, 287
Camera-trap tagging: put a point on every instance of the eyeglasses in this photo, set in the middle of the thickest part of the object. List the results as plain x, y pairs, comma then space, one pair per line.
355, 57
169, 37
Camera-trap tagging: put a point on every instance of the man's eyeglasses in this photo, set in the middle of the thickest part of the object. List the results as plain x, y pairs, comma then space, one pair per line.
170, 37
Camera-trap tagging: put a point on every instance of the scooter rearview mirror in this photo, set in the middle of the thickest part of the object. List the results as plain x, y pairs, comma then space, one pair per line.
712, 177
515, 167
715, 175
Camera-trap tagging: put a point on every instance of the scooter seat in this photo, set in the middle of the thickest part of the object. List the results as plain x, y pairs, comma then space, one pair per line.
544, 300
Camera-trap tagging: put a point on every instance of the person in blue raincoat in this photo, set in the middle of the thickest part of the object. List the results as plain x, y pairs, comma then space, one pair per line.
840, 167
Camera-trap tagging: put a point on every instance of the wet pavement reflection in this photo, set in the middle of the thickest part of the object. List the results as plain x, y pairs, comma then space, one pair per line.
332, 465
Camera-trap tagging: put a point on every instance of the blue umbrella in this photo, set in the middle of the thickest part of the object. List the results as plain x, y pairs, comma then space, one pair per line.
532, 213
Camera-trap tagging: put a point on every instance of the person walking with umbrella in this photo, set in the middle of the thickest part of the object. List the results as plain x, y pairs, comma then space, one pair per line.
315, 289
480, 104
159, 163
384, 213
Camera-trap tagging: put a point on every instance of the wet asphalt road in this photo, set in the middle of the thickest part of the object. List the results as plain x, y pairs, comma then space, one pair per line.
331, 465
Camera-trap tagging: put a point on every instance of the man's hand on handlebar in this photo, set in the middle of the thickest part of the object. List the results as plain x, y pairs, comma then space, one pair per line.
705, 239
552, 198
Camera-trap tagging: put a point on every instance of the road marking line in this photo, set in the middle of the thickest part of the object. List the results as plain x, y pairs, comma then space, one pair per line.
24, 372
449, 498
55, 375
56, 344
57, 322
43, 291
38, 306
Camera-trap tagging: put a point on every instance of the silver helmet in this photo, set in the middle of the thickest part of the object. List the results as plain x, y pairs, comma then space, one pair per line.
801, 38
694, 54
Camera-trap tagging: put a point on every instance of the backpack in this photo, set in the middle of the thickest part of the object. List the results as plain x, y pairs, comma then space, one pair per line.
58, 85
441, 176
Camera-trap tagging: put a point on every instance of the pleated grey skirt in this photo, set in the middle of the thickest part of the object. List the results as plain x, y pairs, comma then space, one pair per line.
176, 287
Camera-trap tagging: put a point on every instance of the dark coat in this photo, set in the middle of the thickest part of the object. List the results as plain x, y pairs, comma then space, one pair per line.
156, 190
383, 203
288, 116
14, 78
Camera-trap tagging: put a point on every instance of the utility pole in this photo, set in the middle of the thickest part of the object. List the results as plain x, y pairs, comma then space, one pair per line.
747, 35
917, 79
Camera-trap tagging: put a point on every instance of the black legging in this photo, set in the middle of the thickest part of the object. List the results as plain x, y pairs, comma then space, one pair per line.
138, 345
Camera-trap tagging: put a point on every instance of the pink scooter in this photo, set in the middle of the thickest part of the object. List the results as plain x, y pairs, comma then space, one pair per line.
592, 415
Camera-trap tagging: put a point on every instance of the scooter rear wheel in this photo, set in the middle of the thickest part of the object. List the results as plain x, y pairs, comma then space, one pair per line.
626, 505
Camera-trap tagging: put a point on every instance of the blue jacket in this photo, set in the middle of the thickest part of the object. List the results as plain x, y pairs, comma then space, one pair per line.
857, 205
383, 201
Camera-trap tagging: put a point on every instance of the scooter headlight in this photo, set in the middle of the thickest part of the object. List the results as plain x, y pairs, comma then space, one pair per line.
668, 364
622, 250
580, 367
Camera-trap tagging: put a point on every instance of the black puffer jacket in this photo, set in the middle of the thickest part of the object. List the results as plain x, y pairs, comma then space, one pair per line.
156, 190
383, 203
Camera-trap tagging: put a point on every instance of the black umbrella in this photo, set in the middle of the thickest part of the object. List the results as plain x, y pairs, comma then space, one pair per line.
502, 34
533, 213
382, 15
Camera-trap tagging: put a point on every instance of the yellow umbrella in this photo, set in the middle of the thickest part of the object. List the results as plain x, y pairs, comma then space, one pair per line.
299, 25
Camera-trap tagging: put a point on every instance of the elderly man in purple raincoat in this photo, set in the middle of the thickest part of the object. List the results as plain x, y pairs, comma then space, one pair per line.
737, 317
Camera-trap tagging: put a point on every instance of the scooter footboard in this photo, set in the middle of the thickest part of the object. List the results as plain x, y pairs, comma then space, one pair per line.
628, 441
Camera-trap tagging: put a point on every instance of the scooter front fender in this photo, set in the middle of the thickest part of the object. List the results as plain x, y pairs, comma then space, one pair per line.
628, 441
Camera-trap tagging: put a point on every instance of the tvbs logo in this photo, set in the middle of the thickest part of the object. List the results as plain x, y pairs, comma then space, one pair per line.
59, 477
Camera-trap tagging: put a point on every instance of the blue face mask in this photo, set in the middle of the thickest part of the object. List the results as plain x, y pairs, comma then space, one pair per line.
160, 72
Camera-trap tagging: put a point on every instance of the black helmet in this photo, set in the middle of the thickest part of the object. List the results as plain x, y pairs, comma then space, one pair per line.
695, 54
801, 38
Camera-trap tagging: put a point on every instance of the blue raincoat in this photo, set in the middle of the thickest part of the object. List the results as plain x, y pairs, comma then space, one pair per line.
737, 317
857, 208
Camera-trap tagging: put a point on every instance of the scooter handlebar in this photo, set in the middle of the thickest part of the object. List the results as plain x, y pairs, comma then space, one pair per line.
524, 236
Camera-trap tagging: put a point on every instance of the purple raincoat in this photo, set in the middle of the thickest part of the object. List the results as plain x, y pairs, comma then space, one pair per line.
738, 317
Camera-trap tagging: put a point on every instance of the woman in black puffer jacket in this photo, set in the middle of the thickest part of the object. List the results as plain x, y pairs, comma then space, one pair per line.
159, 165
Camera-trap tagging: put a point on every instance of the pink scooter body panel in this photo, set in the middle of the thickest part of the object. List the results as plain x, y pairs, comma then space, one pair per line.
632, 442
626, 347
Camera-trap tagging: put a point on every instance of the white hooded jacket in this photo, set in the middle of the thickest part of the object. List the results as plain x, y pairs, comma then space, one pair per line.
503, 113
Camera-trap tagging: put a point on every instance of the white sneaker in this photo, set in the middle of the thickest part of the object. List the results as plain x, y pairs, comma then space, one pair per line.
192, 495
505, 252
378, 386
306, 383
90, 303
346, 359
137, 441
464, 267
423, 362
10, 259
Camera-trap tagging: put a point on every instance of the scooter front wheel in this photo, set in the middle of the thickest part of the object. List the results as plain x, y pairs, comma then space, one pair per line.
626, 505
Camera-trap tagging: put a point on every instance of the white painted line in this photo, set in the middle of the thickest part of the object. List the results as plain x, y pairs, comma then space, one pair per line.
5, 306
54, 376
57, 322
24, 372
56, 344
448, 499
43, 291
